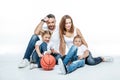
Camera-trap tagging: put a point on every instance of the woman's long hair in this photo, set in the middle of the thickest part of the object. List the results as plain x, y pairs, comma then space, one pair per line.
62, 32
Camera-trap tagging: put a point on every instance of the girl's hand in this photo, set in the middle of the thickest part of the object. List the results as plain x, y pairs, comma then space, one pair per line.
41, 55
47, 52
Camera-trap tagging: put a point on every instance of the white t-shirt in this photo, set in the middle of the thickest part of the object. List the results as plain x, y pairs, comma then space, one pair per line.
69, 40
81, 49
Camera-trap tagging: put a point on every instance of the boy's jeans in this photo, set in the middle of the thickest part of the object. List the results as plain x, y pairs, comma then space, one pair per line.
72, 56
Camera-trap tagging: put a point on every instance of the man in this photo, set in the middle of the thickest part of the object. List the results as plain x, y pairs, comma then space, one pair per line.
51, 26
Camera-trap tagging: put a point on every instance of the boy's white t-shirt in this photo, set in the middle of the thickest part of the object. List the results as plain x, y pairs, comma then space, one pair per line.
81, 49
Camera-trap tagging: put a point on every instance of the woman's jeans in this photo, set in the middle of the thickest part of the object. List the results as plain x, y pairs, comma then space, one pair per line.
31, 46
73, 58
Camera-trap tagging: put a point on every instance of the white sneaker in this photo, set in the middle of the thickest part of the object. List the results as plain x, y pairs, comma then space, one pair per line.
23, 63
61, 66
107, 59
32, 66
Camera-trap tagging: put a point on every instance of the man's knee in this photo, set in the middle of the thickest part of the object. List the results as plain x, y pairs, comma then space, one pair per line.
35, 37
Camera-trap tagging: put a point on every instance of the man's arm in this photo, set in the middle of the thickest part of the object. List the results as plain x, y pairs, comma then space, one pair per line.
39, 29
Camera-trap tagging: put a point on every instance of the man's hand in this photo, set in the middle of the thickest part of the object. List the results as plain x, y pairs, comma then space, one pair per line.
46, 19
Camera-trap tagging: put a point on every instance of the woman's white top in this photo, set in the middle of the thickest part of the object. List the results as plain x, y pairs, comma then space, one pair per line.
69, 40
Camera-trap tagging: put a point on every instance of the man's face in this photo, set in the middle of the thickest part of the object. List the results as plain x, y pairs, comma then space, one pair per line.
51, 23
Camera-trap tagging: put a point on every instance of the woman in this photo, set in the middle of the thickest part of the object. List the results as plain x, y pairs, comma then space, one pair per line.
67, 37
67, 32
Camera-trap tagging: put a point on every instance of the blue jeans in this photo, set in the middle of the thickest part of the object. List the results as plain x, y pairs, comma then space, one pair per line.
72, 57
56, 56
93, 61
43, 47
31, 46
35, 58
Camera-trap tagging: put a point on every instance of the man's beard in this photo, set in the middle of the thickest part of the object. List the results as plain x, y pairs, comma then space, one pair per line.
51, 27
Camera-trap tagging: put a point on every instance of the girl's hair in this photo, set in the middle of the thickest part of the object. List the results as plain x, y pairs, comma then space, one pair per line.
46, 32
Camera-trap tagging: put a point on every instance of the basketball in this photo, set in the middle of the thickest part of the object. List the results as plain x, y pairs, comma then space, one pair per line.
47, 62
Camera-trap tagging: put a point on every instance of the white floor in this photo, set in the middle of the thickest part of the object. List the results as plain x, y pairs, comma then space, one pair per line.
103, 71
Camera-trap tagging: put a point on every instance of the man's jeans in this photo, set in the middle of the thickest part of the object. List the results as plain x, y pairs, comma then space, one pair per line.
31, 46
72, 57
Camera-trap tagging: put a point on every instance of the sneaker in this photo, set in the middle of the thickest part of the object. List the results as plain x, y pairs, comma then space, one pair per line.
107, 59
33, 66
23, 63
62, 66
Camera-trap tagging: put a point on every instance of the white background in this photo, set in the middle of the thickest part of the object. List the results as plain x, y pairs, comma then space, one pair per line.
98, 20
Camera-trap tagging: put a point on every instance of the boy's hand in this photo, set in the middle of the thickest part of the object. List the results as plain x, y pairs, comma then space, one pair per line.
80, 57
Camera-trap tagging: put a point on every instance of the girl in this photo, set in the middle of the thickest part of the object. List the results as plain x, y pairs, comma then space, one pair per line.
41, 48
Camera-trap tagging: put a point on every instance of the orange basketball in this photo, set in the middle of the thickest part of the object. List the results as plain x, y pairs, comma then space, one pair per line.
48, 62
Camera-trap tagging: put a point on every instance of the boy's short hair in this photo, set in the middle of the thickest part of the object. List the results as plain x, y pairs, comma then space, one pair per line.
77, 36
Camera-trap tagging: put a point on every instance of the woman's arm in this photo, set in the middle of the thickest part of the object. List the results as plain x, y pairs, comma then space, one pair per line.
62, 47
83, 40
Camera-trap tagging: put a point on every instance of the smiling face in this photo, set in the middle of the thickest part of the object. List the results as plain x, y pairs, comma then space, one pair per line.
68, 24
46, 38
51, 23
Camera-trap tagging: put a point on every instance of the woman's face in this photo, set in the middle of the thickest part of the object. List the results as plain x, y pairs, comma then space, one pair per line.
46, 38
68, 24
